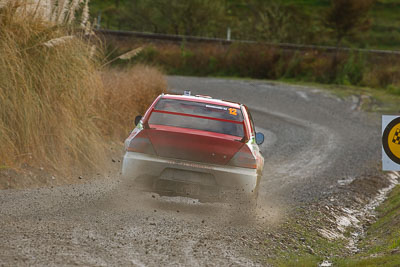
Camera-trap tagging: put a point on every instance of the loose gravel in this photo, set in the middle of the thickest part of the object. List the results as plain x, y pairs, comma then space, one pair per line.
314, 142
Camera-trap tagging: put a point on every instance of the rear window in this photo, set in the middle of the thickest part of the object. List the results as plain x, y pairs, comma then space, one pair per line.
200, 116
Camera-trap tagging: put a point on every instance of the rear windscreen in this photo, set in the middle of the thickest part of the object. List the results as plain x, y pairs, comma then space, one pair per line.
200, 116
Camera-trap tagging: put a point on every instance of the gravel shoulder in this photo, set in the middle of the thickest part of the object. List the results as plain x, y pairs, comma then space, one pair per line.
314, 142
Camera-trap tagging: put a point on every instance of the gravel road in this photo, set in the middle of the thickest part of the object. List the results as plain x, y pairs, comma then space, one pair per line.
313, 140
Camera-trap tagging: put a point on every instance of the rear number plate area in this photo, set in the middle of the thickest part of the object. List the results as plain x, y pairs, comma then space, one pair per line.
178, 188
188, 189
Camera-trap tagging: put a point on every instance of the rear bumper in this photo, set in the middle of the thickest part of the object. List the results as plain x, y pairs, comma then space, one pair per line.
138, 165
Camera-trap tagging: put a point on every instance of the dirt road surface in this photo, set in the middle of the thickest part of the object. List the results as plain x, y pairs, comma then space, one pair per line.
313, 140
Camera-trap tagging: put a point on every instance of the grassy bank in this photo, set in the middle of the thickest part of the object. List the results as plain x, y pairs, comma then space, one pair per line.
381, 245
301, 243
58, 107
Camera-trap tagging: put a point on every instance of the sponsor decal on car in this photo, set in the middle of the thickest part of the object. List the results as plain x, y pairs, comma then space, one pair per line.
216, 107
233, 111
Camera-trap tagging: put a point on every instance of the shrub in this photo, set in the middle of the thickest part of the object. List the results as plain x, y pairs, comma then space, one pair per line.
383, 76
352, 70
270, 62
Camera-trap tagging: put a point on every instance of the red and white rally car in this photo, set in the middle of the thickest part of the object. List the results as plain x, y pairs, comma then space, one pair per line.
194, 145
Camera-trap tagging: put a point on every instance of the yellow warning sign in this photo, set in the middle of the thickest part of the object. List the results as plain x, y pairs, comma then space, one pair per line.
396, 137
391, 140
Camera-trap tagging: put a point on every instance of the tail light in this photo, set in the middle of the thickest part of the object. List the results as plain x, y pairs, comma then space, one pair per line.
244, 158
139, 142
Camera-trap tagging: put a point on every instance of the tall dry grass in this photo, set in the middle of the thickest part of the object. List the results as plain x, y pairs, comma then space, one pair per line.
128, 93
47, 94
55, 12
55, 110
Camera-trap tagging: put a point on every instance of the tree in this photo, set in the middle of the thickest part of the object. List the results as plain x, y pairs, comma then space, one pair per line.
111, 12
194, 17
185, 17
277, 21
272, 21
348, 18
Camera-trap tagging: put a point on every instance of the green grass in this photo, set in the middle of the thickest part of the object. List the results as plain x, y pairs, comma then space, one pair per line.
387, 229
300, 244
387, 261
304, 261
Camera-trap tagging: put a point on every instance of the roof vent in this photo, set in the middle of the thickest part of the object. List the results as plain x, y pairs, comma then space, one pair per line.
186, 93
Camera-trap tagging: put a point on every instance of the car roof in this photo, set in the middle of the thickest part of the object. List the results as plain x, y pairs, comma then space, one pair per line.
203, 99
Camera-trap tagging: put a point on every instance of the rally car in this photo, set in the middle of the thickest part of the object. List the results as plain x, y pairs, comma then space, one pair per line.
194, 146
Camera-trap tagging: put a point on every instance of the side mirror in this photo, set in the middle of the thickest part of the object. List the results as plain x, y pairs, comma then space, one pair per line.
259, 138
137, 119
